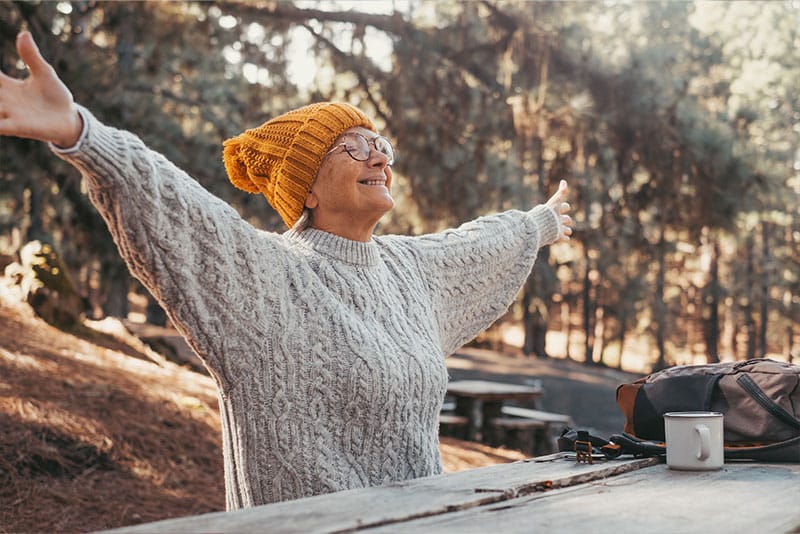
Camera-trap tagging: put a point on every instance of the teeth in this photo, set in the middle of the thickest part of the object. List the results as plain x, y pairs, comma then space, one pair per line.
373, 182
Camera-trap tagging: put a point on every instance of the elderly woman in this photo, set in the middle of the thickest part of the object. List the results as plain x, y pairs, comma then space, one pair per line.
327, 344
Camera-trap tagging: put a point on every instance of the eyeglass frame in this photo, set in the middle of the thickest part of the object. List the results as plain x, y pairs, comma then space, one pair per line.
372, 142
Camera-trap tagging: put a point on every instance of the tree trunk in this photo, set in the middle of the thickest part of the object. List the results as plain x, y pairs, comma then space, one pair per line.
765, 262
566, 325
588, 330
599, 333
527, 343
713, 297
588, 345
623, 330
536, 313
33, 209
659, 307
117, 284
747, 310
734, 336
535, 335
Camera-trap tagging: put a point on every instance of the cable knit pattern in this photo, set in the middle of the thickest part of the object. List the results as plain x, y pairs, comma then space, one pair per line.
328, 354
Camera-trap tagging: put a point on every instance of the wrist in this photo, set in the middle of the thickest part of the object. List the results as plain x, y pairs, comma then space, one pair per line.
547, 220
72, 131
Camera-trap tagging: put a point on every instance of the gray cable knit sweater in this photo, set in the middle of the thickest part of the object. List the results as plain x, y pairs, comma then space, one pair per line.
328, 354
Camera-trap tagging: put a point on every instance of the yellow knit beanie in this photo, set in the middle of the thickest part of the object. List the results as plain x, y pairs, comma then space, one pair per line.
281, 157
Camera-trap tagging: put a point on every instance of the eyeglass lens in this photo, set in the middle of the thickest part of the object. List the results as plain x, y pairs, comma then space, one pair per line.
358, 147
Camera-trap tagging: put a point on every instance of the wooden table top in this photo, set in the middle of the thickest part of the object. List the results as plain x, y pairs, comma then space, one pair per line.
545, 494
488, 390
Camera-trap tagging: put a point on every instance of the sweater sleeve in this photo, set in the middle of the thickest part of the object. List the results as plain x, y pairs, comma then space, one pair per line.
475, 271
190, 249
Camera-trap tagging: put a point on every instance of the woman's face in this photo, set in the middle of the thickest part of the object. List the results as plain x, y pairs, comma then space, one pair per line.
349, 194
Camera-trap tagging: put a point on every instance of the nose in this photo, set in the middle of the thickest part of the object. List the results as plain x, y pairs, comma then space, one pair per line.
377, 158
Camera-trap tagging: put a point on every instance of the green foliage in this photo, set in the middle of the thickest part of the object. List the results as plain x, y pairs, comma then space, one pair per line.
677, 124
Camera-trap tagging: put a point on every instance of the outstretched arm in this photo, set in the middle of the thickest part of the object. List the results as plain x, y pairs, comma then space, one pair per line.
475, 271
41, 106
191, 250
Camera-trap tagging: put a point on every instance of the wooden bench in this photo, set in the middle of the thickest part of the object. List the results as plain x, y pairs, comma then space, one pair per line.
452, 425
554, 419
527, 435
452, 419
554, 423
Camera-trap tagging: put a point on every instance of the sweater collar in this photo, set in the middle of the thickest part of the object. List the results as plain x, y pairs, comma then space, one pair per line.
334, 246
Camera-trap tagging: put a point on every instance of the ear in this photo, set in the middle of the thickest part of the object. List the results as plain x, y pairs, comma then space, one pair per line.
312, 201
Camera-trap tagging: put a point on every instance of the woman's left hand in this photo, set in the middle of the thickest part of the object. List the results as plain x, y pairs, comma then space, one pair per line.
559, 203
40, 106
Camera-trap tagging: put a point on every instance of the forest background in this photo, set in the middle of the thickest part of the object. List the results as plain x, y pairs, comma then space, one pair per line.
677, 125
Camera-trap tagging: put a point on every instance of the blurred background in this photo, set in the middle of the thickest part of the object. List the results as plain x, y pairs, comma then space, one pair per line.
677, 125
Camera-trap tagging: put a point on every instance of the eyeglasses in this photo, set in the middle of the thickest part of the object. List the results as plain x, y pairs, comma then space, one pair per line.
357, 147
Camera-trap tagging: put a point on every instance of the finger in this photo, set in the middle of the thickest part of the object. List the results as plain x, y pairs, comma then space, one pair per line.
564, 207
29, 53
566, 220
563, 191
563, 188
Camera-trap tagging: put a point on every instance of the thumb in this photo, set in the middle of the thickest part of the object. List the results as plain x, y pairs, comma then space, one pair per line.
563, 190
29, 53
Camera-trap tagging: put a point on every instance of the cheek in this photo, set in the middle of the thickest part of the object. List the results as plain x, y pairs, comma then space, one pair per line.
333, 179
324, 177
389, 177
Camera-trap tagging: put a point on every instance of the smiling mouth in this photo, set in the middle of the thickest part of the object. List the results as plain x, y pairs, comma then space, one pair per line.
373, 181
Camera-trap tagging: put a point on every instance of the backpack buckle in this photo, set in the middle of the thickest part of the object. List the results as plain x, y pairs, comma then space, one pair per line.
583, 452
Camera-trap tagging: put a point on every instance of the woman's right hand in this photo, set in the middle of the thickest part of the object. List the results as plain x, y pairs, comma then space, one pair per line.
41, 106
560, 205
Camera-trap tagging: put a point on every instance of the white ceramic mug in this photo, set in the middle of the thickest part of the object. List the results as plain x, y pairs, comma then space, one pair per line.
694, 440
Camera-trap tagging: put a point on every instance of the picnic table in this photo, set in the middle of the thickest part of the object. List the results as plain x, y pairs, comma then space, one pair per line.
481, 401
545, 494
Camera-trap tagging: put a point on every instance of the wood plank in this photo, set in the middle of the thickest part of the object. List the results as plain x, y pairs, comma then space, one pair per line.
517, 423
396, 503
488, 390
452, 419
739, 498
547, 417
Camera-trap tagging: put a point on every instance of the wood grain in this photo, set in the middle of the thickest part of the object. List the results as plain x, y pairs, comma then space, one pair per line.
738, 498
399, 503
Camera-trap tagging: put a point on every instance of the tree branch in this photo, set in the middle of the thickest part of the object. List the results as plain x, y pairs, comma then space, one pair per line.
356, 68
393, 24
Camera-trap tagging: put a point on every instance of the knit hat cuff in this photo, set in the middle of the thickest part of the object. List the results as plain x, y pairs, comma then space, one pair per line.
281, 157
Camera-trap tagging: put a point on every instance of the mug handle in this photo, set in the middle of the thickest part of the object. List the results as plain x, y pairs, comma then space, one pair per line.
705, 442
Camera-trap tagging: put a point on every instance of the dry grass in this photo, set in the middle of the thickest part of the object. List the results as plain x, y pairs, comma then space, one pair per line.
97, 431
96, 435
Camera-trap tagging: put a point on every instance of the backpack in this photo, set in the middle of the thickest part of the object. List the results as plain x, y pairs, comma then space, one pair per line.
759, 398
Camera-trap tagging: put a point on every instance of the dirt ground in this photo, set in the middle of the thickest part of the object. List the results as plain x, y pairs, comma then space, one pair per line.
99, 431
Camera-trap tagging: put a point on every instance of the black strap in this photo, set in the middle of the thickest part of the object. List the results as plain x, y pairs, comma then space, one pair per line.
637, 446
750, 386
611, 448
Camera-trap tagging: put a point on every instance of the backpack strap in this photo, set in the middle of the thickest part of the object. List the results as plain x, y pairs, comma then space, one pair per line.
575, 441
637, 446
750, 386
